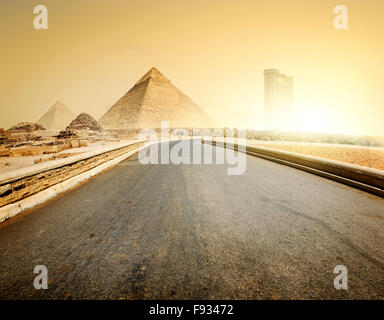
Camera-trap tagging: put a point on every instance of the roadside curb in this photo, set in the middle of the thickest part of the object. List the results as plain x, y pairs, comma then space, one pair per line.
366, 179
13, 209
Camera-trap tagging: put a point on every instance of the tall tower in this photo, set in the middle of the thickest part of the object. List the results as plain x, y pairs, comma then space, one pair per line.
278, 99
271, 97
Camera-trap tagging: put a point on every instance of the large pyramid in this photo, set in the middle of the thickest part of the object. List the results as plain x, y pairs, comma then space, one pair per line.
57, 117
154, 99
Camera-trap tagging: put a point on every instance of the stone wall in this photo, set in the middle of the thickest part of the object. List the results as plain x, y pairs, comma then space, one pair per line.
15, 190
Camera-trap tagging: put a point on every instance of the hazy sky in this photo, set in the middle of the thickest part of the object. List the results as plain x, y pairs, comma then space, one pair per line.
213, 50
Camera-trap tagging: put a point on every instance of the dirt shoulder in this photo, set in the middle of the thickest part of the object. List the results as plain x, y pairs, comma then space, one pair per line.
371, 157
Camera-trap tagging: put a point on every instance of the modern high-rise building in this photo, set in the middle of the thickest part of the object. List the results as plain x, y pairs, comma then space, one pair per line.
278, 99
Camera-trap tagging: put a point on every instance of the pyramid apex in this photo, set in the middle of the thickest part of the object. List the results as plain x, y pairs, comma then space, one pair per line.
57, 117
153, 73
58, 104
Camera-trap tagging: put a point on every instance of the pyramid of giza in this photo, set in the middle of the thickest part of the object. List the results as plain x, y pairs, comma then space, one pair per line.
57, 117
154, 99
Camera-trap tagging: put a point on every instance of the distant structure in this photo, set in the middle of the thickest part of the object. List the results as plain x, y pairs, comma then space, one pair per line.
57, 117
278, 99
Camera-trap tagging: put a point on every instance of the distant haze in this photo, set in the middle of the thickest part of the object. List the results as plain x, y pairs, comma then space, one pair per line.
214, 51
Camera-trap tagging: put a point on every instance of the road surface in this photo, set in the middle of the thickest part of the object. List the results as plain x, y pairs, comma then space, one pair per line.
193, 232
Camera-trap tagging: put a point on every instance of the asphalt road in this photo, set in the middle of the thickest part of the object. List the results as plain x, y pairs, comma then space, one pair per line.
193, 232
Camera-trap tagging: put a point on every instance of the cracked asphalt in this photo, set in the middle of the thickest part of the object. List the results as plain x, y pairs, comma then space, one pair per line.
193, 232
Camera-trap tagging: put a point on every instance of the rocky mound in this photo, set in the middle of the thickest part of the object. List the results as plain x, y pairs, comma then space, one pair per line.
4, 136
84, 121
26, 127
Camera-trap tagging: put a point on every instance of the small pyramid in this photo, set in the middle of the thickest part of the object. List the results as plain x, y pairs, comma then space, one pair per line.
84, 121
26, 127
154, 99
57, 117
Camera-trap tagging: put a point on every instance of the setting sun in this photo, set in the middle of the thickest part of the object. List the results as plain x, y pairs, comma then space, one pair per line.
313, 119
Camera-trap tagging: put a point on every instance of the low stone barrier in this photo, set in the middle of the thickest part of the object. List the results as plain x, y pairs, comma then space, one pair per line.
33, 180
368, 179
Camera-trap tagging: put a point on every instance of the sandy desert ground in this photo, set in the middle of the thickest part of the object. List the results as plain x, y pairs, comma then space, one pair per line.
371, 157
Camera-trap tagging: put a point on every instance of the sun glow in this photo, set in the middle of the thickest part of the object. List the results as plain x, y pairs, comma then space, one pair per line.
313, 119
